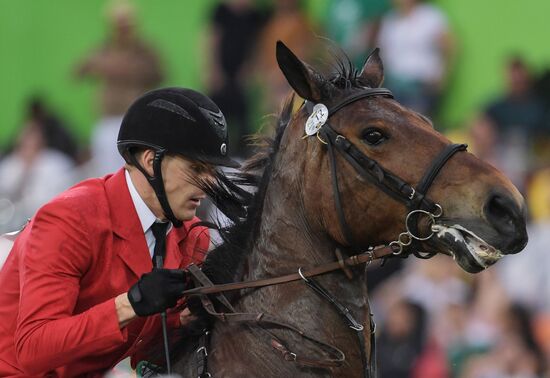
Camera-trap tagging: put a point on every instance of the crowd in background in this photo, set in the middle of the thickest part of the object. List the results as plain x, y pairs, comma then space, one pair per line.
434, 320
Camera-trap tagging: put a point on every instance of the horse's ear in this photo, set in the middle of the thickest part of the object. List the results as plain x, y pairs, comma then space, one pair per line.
301, 77
372, 73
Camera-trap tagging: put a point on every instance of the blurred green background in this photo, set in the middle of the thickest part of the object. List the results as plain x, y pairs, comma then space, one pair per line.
41, 41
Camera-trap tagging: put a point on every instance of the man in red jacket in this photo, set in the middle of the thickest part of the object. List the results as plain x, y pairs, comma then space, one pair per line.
78, 292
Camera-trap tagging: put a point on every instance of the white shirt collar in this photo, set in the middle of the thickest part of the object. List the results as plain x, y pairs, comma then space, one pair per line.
146, 216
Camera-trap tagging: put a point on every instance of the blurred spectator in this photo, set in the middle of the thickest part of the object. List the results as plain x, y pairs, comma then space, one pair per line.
541, 146
525, 276
519, 109
127, 67
235, 25
431, 362
56, 134
290, 24
538, 195
472, 328
354, 25
483, 141
31, 174
515, 352
435, 284
402, 340
508, 125
417, 49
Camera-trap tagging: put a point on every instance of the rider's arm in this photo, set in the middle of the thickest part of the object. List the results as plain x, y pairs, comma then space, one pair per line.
48, 332
124, 311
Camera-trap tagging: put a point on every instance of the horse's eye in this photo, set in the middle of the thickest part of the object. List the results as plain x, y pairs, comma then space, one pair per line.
373, 136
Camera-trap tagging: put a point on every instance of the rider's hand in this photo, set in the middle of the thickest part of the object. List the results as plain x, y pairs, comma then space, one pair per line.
186, 317
157, 291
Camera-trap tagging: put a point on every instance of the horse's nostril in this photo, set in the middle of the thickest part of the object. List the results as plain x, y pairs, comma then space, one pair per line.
499, 211
507, 218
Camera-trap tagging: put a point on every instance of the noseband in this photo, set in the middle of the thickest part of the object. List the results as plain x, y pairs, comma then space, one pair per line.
370, 170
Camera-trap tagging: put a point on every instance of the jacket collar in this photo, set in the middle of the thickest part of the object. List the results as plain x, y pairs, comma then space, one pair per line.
124, 218
127, 226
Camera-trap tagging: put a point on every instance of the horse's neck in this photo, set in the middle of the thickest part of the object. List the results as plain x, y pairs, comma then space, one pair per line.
285, 242
286, 239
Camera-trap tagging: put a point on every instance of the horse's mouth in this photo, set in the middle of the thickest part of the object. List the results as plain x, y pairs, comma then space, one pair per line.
471, 252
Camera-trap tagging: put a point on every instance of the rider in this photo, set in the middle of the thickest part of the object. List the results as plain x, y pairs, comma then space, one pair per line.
72, 301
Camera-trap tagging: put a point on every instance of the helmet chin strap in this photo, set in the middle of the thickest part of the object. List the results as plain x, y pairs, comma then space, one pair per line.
157, 184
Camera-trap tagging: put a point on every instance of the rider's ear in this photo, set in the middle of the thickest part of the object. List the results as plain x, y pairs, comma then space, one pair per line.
307, 82
146, 158
372, 74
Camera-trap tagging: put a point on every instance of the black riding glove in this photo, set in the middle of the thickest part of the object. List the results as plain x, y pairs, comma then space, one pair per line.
157, 291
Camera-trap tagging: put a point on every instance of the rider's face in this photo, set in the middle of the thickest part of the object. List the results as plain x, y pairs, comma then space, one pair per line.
180, 175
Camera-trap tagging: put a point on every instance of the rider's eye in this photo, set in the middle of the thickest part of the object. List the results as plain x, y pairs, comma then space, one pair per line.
197, 168
373, 136
203, 169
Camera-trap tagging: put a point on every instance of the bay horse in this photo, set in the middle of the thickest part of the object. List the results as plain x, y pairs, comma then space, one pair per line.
349, 170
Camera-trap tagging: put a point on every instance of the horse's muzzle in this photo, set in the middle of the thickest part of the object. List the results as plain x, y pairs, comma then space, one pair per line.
508, 218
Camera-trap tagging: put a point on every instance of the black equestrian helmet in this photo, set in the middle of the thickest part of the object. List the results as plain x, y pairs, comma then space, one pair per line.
178, 121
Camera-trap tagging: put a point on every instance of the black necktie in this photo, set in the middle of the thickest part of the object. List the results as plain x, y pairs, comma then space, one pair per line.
159, 231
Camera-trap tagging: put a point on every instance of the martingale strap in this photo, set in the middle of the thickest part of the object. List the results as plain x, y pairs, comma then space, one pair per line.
264, 322
352, 323
267, 321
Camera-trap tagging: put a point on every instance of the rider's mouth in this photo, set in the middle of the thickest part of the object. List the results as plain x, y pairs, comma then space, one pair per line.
470, 251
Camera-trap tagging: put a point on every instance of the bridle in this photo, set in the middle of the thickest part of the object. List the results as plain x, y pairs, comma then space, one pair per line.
370, 170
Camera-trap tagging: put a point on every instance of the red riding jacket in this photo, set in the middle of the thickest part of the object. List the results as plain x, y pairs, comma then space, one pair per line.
57, 287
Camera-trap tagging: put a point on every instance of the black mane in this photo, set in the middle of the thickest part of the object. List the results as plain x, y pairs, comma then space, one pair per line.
345, 74
244, 207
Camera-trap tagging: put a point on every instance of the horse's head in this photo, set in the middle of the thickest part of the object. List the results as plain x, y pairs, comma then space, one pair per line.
377, 148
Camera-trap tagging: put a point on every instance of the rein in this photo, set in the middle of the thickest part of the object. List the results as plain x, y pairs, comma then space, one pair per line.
363, 258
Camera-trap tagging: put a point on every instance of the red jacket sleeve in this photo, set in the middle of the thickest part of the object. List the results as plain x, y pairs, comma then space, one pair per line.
196, 246
56, 256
